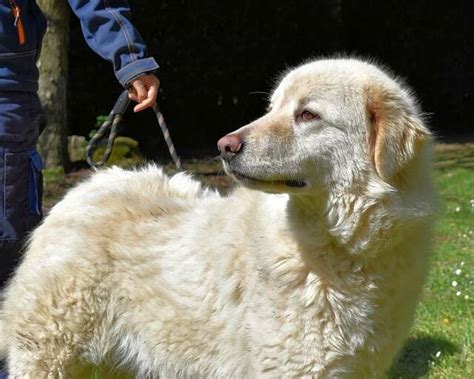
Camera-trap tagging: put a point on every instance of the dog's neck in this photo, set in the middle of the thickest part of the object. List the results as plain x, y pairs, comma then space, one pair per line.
349, 220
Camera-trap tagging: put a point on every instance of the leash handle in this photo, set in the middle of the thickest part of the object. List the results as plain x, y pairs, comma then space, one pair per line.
121, 104
112, 122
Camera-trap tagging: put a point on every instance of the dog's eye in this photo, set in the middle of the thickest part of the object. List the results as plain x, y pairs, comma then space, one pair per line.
309, 116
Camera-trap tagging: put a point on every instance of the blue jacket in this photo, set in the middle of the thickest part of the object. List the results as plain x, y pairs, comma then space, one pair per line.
106, 27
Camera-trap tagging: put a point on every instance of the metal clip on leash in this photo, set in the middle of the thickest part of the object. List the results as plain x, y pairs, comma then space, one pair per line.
113, 121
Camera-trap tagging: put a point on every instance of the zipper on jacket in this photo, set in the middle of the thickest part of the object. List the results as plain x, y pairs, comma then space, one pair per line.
18, 23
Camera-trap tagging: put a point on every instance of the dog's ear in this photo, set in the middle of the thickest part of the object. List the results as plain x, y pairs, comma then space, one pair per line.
396, 131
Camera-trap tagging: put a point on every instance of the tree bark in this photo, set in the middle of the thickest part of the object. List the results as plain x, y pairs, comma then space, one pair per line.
53, 66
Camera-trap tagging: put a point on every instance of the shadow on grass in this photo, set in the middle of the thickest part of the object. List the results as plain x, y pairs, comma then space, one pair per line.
416, 356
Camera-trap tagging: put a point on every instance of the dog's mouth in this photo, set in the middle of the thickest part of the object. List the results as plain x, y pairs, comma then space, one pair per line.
293, 183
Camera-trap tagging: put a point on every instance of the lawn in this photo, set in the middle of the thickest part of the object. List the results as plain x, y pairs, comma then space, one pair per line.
441, 344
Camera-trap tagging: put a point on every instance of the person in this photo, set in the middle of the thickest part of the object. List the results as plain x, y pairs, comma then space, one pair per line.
109, 32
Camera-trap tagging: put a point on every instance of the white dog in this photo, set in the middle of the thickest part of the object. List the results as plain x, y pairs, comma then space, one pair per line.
315, 274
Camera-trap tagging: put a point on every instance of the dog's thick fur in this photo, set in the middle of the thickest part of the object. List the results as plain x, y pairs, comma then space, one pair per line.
316, 275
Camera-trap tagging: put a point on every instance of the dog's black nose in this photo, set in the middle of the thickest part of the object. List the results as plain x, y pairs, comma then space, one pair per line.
230, 145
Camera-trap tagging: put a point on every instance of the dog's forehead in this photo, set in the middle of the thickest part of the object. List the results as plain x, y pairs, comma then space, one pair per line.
319, 80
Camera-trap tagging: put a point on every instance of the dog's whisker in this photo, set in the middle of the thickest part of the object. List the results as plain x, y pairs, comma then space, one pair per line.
259, 93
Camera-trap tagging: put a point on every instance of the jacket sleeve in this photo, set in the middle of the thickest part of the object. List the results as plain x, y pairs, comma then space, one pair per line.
109, 32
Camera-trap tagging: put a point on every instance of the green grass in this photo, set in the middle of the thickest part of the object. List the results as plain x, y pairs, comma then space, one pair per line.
441, 344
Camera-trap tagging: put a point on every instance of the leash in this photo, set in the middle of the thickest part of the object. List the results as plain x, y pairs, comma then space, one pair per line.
112, 122
111, 125
167, 137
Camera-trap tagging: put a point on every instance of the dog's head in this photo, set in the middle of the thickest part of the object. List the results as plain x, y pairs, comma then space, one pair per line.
331, 123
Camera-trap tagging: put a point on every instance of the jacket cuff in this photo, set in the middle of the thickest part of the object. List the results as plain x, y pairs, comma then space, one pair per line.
134, 69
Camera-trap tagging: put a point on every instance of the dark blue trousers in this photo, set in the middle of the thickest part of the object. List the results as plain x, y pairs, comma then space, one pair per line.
21, 119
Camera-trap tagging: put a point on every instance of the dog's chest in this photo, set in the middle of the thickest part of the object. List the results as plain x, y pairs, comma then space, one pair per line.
298, 331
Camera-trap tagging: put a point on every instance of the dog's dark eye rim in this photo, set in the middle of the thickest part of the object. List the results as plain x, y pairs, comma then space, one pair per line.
307, 115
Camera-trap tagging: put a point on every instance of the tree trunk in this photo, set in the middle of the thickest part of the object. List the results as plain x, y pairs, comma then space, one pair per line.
53, 66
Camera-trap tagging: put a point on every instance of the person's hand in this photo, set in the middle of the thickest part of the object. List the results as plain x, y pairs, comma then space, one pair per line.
143, 90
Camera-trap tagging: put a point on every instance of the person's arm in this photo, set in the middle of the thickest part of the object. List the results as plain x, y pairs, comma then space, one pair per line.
109, 32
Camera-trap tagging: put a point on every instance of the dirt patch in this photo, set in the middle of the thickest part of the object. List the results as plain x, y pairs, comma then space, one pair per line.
442, 147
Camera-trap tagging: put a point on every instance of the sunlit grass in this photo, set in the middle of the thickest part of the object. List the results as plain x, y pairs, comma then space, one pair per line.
442, 341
